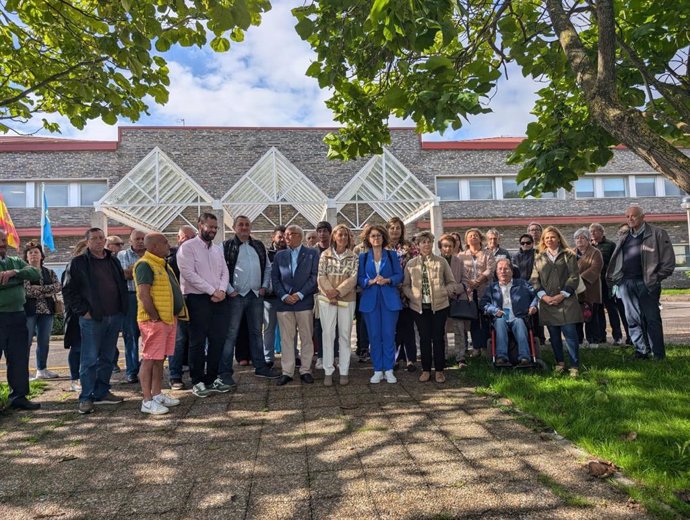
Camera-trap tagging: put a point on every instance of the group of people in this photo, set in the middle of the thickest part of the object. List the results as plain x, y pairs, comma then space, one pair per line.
191, 302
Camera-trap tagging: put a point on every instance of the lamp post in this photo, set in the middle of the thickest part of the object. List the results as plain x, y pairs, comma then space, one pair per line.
685, 204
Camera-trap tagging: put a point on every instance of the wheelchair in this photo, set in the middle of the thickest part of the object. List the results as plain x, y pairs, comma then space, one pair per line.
535, 362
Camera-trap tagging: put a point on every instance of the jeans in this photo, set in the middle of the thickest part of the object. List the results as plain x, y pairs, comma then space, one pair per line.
130, 333
40, 325
208, 323
570, 332
98, 341
251, 307
270, 323
13, 344
519, 330
643, 315
181, 340
432, 330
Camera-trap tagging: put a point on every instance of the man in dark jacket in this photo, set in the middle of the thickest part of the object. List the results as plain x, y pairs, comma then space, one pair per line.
643, 258
510, 302
95, 290
270, 317
13, 331
250, 278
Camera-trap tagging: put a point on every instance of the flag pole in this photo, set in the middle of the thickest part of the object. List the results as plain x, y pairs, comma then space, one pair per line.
43, 213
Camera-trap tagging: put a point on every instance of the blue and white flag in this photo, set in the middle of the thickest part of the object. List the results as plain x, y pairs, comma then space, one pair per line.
46, 231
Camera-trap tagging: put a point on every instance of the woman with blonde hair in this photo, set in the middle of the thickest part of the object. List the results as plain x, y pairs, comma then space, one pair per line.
479, 268
555, 278
337, 280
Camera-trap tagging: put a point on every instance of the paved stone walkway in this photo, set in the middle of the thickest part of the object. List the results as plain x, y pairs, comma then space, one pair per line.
404, 451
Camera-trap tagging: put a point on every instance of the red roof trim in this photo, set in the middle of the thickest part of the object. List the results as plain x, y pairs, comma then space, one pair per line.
71, 231
547, 221
58, 146
508, 143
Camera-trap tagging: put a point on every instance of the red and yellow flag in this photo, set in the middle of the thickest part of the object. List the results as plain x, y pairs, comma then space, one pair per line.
7, 224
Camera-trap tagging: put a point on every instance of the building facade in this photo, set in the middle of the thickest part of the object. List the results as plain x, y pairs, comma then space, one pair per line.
158, 178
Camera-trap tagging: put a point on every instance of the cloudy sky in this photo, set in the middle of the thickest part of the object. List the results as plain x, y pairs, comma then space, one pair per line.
261, 82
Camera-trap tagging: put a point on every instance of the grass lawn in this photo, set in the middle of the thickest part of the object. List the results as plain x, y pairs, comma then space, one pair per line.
633, 413
35, 388
674, 292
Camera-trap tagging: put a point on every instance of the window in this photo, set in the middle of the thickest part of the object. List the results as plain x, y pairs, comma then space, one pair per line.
448, 189
645, 186
584, 188
14, 194
57, 194
91, 192
481, 189
671, 189
613, 186
511, 190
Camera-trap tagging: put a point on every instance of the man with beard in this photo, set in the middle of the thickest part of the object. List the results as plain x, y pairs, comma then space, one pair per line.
204, 278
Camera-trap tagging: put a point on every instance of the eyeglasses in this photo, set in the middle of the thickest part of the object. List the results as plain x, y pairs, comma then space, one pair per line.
525, 243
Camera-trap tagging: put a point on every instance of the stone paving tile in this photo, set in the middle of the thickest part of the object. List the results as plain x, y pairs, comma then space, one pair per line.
408, 451
348, 507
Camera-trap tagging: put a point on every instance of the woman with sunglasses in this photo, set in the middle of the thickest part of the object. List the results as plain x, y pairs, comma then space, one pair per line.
379, 275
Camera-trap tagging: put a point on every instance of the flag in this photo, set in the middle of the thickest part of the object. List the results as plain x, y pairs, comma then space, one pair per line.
7, 224
46, 231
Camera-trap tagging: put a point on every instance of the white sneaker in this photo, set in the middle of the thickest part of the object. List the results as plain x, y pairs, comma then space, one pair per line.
75, 386
319, 364
153, 407
166, 400
376, 378
45, 374
584, 344
619, 342
390, 377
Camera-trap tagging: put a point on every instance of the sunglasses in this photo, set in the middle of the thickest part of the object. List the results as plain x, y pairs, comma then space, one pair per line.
525, 243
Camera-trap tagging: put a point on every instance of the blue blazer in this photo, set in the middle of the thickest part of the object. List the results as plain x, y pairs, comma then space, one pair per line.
389, 294
522, 297
303, 281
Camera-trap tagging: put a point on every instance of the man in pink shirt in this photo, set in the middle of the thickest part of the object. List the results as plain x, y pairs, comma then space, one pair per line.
203, 279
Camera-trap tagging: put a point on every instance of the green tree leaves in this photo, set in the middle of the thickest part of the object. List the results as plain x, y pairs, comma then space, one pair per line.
88, 59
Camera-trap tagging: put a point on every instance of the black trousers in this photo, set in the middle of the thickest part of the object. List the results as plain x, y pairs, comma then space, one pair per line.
361, 328
13, 345
599, 316
432, 329
404, 336
242, 352
208, 327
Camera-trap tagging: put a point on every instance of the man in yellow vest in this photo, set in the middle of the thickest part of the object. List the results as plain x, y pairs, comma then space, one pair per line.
160, 303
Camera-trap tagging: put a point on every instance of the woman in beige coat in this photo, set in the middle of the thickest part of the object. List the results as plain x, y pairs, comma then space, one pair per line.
590, 262
337, 280
479, 268
555, 278
428, 283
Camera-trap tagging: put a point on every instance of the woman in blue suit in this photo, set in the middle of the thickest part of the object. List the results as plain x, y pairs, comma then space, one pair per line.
379, 276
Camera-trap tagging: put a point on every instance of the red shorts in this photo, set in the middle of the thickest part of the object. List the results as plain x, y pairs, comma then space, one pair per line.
157, 339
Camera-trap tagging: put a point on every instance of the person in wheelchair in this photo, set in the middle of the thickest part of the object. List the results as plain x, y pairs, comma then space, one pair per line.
510, 301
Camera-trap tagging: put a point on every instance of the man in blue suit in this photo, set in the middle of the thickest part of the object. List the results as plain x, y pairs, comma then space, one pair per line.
294, 276
510, 302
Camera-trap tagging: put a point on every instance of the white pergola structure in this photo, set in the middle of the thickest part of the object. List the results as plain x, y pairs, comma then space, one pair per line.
274, 182
384, 187
154, 194
157, 193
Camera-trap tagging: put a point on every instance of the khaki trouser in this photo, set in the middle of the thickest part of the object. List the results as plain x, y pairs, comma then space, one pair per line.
290, 323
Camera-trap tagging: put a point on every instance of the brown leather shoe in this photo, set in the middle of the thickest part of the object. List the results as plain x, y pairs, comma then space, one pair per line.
440, 377
344, 380
424, 377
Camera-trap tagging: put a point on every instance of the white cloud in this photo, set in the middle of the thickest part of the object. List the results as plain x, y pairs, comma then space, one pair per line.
262, 82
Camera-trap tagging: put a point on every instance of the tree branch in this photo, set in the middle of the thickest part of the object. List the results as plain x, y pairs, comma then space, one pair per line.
606, 66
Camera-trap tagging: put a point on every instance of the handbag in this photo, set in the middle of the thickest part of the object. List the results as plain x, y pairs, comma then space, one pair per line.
581, 287
59, 306
463, 310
